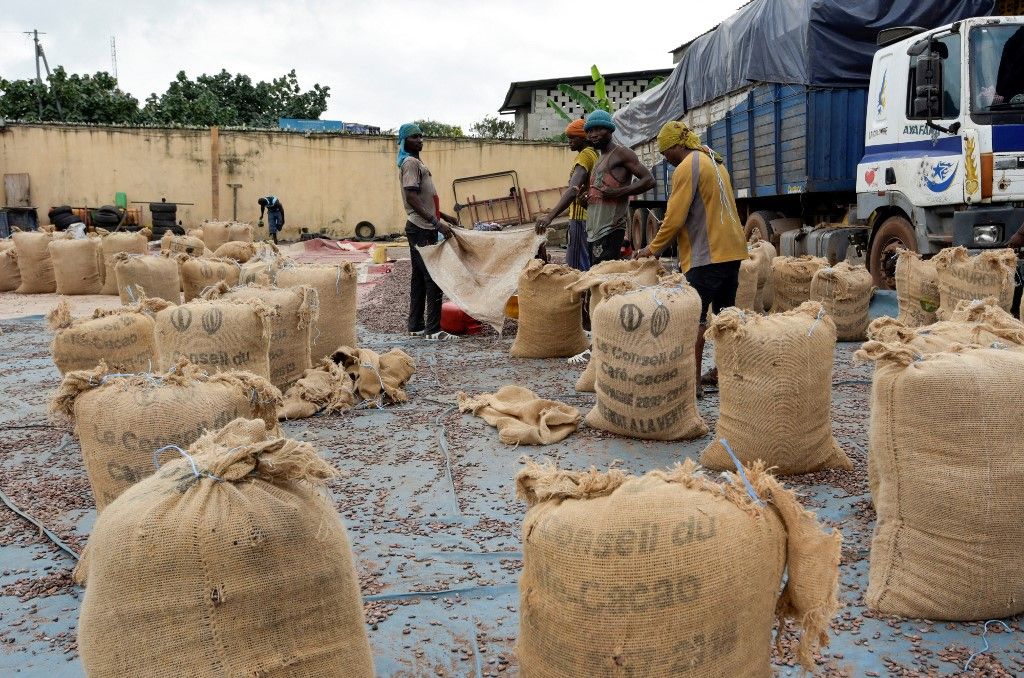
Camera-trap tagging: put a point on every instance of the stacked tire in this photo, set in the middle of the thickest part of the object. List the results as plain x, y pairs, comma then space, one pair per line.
107, 217
165, 219
62, 217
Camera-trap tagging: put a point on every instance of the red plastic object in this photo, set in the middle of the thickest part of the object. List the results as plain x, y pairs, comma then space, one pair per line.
456, 321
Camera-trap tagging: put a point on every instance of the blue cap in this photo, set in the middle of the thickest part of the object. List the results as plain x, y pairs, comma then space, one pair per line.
599, 119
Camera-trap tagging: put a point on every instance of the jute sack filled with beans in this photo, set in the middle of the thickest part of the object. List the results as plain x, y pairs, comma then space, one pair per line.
122, 338
238, 251
262, 267
775, 390
668, 575
216, 233
791, 279
295, 309
982, 323
336, 289
963, 277
147, 277
113, 244
229, 560
183, 244
643, 347
35, 266
10, 276
917, 289
947, 541
122, 420
550, 316
77, 265
219, 336
747, 296
765, 253
197, 274
845, 293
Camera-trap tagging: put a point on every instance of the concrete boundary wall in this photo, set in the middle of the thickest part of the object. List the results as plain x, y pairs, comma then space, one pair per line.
324, 181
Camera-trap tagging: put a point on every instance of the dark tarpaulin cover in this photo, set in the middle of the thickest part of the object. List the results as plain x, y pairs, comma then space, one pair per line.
823, 43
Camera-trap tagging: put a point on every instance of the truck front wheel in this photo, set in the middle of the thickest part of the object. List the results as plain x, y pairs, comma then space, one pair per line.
893, 235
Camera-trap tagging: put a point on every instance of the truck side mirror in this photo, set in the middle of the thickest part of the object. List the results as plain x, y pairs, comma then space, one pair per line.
928, 73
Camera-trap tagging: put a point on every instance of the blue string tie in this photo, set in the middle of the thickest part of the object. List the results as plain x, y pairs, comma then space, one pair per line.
984, 636
742, 473
191, 461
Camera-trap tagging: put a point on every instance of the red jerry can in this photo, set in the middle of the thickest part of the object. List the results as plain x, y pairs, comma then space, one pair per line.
456, 321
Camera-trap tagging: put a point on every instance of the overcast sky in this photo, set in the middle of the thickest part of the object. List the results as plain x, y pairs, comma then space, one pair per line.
386, 61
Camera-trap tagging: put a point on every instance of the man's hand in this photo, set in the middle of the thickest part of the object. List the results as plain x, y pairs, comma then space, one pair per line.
542, 224
614, 193
445, 228
260, 223
643, 253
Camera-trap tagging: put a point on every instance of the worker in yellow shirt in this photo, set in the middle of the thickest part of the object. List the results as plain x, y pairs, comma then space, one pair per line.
701, 217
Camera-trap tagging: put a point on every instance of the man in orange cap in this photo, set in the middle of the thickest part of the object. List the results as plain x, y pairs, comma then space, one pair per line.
577, 254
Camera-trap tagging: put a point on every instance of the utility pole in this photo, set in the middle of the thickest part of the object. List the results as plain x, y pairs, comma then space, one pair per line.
113, 54
40, 54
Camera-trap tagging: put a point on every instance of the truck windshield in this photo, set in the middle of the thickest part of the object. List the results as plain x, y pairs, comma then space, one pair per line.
997, 69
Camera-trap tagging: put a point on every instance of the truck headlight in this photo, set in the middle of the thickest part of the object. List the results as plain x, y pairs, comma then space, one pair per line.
986, 235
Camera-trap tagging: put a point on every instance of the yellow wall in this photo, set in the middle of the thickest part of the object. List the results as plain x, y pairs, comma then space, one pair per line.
324, 181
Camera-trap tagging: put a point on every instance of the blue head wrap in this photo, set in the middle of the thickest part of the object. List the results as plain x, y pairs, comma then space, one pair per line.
599, 119
404, 132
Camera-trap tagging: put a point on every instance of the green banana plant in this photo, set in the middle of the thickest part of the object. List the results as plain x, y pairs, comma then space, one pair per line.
589, 104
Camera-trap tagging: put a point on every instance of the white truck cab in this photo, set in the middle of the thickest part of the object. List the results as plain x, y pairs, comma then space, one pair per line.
944, 139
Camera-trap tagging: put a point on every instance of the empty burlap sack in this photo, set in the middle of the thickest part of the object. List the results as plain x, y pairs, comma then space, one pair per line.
982, 323
845, 292
35, 266
643, 348
791, 279
961, 276
147, 277
295, 311
377, 378
550, 316
765, 253
10, 276
218, 336
236, 250
123, 338
326, 387
946, 472
668, 575
113, 244
183, 244
747, 296
216, 233
232, 562
336, 291
775, 390
479, 270
200, 274
917, 289
77, 265
149, 412
521, 417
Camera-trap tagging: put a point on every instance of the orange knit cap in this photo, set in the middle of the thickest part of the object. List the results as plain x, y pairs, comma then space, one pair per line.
575, 129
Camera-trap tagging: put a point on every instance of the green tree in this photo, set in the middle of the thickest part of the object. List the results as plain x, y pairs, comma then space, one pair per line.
492, 127
83, 98
226, 99
589, 104
433, 128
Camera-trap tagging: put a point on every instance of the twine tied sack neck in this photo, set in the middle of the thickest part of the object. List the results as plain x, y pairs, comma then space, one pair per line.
946, 473
521, 417
845, 293
336, 288
121, 338
152, 411
229, 560
35, 266
775, 390
550, 316
982, 323
77, 265
791, 278
963, 277
668, 575
917, 289
144, 276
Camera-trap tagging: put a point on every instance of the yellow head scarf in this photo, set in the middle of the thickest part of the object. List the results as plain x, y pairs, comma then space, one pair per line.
676, 133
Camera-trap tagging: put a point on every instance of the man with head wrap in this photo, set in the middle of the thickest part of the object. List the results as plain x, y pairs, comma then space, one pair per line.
611, 184
426, 223
577, 254
701, 217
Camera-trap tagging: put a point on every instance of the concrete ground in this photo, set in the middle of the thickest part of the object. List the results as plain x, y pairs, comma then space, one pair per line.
430, 508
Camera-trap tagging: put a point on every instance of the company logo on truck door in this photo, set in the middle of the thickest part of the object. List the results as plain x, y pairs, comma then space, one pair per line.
881, 93
939, 176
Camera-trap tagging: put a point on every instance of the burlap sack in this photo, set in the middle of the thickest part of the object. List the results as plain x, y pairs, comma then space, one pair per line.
791, 279
147, 277
946, 472
747, 296
77, 265
295, 311
35, 266
113, 244
765, 253
643, 347
775, 390
122, 338
668, 575
238, 251
199, 274
521, 417
240, 567
845, 291
550, 316
152, 411
218, 336
6, 244
216, 233
917, 289
377, 378
963, 277
259, 271
981, 323
327, 387
10, 276
336, 291
183, 244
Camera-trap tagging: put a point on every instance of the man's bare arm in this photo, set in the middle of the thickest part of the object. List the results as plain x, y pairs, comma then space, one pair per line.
577, 183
